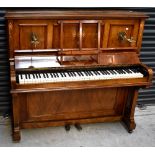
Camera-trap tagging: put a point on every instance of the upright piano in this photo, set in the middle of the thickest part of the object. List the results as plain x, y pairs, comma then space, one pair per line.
69, 67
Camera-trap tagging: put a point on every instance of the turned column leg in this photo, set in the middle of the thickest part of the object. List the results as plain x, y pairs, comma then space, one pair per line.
129, 111
15, 118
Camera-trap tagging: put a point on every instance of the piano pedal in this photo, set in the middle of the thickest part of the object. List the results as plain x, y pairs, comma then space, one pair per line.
67, 127
78, 126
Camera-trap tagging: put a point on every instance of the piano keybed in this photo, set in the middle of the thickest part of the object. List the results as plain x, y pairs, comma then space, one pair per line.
84, 74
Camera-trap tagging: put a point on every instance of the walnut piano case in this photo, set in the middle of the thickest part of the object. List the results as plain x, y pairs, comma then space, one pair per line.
91, 48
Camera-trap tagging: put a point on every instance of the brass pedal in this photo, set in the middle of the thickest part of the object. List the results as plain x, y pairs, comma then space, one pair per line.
78, 126
67, 127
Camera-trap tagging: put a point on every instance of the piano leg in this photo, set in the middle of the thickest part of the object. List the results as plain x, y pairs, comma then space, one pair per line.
16, 134
128, 117
15, 125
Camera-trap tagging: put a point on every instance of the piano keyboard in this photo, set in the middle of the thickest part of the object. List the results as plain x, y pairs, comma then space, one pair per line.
80, 75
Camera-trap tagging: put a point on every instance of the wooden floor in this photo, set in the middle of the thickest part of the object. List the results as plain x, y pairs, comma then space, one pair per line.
101, 134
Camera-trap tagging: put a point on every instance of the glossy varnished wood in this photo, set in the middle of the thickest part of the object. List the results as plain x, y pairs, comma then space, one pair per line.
74, 38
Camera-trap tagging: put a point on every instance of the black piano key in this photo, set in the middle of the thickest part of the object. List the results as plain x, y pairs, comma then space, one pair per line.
51, 75
78, 73
37, 75
29, 76
90, 74
61, 74
111, 71
95, 73
64, 74
124, 72
81, 74
33, 76
103, 72
134, 70
107, 73
69, 74
26, 76
21, 76
131, 69
56, 75
114, 71
121, 71
74, 73
46, 75
118, 71
127, 70
17, 78
85, 73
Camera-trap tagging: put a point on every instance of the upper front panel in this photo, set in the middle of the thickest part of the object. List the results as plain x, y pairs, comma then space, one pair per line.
32, 36
123, 33
75, 34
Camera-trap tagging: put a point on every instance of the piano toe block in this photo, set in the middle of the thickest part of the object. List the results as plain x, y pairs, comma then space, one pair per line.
16, 136
129, 124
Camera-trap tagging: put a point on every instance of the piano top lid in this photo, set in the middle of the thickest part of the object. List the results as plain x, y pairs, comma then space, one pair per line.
73, 14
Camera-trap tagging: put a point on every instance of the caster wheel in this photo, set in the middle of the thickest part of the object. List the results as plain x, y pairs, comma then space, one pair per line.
78, 127
67, 127
130, 131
